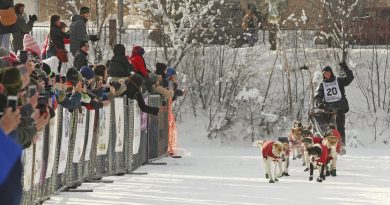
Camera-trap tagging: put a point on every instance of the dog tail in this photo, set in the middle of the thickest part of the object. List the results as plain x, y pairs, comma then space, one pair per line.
258, 143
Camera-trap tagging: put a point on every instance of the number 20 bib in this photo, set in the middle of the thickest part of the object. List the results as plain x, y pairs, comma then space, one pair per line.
332, 91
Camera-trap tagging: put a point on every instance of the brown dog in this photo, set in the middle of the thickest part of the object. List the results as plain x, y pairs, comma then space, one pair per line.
273, 153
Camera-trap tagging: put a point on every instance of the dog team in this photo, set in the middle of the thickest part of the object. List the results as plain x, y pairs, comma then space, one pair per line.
316, 152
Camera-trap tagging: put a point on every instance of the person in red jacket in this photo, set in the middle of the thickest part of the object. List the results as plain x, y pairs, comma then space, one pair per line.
138, 61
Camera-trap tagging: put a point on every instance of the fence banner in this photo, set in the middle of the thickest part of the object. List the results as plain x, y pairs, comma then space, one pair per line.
38, 158
80, 135
53, 136
120, 124
104, 131
90, 135
28, 167
66, 132
137, 128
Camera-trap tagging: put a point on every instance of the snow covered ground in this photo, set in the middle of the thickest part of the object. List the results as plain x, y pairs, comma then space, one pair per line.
211, 174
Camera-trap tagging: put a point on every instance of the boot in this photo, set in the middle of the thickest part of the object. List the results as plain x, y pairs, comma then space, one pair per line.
327, 173
333, 172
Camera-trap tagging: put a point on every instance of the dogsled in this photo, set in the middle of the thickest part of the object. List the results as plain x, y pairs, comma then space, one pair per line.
321, 119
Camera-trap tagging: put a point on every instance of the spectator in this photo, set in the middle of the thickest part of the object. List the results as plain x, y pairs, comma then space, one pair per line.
78, 30
119, 66
22, 27
70, 95
56, 40
249, 24
89, 78
134, 91
138, 61
157, 88
7, 22
161, 70
80, 58
172, 83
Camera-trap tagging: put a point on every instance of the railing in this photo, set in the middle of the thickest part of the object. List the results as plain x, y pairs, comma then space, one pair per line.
85, 146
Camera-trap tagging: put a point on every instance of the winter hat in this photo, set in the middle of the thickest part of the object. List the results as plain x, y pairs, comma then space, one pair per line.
87, 72
327, 68
48, 71
11, 79
73, 76
3, 52
53, 63
29, 44
160, 68
100, 70
171, 72
139, 50
84, 10
153, 78
119, 49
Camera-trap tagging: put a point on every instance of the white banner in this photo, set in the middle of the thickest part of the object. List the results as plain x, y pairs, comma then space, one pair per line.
137, 128
80, 135
53, 135
38, 159
104, 131
28, 166
66, 132
90, 135
120, 124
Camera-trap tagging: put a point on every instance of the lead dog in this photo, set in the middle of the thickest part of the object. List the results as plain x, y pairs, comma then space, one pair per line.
273, 153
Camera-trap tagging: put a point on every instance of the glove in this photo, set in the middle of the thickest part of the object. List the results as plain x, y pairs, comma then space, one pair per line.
33, 18
343, 64
94, 38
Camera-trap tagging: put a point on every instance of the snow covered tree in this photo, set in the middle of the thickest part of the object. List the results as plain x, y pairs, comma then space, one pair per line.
179, 23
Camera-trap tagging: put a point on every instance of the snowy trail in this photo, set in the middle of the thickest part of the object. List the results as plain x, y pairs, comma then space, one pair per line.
214, 175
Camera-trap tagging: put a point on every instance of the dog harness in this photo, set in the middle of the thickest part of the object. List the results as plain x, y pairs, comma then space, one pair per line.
332, 91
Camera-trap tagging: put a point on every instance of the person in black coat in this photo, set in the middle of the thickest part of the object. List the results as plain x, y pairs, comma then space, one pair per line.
134, 92
56, 36
80, 59
119, 66
22, 27
330, 95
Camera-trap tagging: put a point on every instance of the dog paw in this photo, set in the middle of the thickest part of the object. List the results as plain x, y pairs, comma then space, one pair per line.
322, 177
276, 179
311, 178
285, 174
299, 156
304, 164
307, 169
294, 158
327, 173
266, 176
319, 179
271, 181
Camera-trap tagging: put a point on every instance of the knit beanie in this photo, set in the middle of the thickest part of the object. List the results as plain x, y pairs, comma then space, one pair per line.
29, 44
53, 63
119, 49
11, 79
327, 68
84, 10
153, 78
171, 72
139, 50
87, 72
48, 71
73, 76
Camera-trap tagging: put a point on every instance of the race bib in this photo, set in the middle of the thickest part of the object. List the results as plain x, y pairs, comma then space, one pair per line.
332, 91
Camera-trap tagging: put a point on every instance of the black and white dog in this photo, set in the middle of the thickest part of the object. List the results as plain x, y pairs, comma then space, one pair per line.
318, 156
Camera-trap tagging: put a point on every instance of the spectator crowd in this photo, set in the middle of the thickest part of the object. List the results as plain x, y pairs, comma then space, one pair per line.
34, 81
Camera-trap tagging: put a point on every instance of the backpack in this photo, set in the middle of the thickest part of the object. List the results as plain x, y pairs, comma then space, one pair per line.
8, 16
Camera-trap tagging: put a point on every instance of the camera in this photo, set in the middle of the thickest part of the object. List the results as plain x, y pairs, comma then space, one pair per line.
42, 102
32, 89
22, 56
12, 102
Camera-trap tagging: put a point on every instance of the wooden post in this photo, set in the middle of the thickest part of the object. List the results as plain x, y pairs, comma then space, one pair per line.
112, 32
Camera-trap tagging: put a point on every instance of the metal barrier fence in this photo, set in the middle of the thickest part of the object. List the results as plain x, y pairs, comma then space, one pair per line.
85, 146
